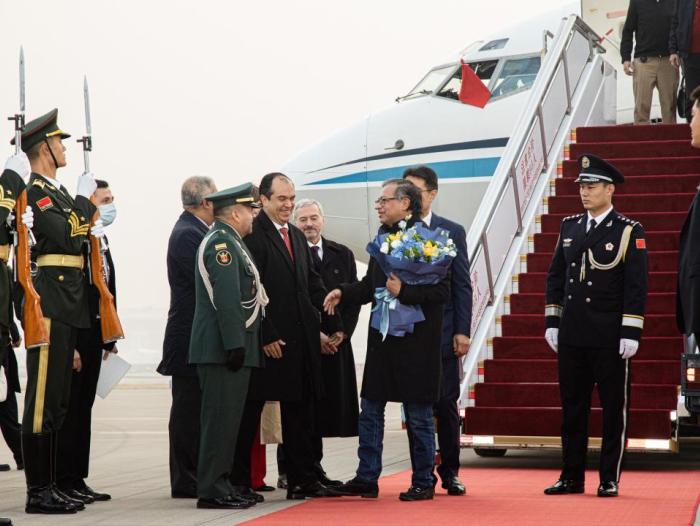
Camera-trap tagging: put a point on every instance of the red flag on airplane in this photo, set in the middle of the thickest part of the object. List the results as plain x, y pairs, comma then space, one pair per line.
473, 90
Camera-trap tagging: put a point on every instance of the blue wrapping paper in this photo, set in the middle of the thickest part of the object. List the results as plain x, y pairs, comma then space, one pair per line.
393, 318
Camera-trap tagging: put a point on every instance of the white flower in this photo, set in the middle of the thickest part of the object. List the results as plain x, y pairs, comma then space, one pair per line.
402, 224
450, 242
396, 243
384, 249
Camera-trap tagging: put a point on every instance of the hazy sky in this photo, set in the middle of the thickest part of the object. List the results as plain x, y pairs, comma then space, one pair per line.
220, 88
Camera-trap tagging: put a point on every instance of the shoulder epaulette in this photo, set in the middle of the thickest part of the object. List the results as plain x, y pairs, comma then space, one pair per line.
39, 183
627, 220
570, 218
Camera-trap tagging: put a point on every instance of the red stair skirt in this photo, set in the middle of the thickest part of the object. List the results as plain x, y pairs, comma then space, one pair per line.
519, 394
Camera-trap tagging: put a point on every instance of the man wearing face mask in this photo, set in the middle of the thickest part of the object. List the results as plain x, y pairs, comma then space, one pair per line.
74, 438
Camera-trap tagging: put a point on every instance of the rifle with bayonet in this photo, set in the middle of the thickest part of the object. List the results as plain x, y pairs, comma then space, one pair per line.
109, 319
35, 331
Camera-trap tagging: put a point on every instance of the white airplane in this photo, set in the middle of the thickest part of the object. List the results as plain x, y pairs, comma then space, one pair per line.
429, 125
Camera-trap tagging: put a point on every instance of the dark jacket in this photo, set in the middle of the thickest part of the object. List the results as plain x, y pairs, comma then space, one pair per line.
681, 27
293, 315
406, 369
457, 318
650, 23
688, 290
339, 409
596, 307
182, 250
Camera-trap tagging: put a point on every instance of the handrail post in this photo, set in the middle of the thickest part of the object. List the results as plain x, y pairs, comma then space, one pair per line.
543, 135
489, 272
516, 194
565, 63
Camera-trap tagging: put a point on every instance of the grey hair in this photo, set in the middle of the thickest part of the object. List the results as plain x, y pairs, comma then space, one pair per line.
406, 189
194, 189
301, 203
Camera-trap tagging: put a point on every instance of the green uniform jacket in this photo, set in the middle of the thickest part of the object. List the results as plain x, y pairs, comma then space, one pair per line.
224, 283
61, 226
11, 185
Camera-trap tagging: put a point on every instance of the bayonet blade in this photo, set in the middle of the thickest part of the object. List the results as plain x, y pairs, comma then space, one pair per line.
21, 80
88, 122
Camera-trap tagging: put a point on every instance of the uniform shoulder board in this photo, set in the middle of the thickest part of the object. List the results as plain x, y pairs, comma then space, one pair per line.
39, 183
571, 218
627, 220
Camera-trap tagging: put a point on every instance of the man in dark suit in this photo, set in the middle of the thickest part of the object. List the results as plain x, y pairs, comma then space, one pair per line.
338, 410
456, 330
9, 423
290, 338
73, 459
688, 290
190, 229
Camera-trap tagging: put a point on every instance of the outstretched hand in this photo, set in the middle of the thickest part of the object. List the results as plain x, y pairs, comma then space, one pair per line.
332, 300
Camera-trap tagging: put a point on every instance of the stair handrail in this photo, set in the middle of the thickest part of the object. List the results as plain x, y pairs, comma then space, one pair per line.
505, 174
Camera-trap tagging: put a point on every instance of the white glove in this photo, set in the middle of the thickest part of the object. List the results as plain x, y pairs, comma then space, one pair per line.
28, 217
552, 337
98, 229
628, 348
19, 163
86, 185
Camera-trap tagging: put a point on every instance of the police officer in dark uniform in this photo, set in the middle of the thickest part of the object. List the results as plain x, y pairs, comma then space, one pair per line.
596, 293
61, 227
225, 342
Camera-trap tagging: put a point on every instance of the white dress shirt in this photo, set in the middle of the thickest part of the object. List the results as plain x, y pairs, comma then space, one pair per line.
598, 219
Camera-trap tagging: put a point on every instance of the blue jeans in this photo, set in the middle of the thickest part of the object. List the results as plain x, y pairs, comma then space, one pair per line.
421, 430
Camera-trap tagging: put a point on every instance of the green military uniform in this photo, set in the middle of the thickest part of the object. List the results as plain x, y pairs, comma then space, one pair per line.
61, 227
229, 303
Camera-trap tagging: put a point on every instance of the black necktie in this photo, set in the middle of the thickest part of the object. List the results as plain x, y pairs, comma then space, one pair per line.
315, 251
591, 226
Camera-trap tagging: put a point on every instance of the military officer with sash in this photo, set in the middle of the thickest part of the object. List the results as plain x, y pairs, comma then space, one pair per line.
61, 227
596, 294
225, 343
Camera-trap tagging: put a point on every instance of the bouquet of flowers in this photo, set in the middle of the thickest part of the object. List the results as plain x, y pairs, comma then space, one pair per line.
418, 256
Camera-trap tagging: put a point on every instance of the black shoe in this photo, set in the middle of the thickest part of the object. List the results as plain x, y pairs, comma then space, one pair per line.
245, 493
40, 495
565, 487
282, 482
607, 489
45, 501
358, 488
417, 493
264, 488
311, 490
329, 483
5, 522
454, 486
96, 495
77, 495
5, 467
79, 505
223, 503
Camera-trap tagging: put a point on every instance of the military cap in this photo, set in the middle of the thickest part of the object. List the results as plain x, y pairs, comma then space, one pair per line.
593, 169
238, 195
41, 128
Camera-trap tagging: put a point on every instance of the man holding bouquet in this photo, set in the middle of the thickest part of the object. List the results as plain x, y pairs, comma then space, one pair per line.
403, 350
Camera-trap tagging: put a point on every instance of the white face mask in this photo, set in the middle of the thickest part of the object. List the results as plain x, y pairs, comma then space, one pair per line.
108, 213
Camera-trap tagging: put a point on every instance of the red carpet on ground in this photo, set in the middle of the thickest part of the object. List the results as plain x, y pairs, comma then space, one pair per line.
509, 496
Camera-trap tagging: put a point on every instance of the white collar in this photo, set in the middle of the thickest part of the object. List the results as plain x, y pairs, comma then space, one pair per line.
599, 218
319, 244
52, 182
427, 219
286, 225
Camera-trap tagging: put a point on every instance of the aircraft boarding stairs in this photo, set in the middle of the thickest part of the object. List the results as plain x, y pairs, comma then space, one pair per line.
517, 402
509, 392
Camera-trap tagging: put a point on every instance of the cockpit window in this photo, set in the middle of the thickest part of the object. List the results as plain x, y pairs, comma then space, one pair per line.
432, 81
516, 75
494, 44
484, 70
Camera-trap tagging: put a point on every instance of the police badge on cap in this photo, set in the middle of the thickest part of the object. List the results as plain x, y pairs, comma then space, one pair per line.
593, 169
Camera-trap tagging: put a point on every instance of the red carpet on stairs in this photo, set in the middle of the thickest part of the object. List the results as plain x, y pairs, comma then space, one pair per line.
507, 496
519, 395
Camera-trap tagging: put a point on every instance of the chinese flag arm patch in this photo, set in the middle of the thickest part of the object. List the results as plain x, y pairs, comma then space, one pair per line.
44, 203
640, 243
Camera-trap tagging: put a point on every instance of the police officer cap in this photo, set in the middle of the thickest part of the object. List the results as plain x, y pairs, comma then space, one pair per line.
593, 169
238, 195
40, 129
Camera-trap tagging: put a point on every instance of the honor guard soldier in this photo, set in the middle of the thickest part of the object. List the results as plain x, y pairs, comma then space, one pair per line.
61, 226
596, 292
225, 342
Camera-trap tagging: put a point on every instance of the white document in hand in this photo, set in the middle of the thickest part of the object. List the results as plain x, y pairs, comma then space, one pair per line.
113, 370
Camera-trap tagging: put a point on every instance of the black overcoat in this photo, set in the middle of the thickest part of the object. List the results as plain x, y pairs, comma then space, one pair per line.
688, 289
293, 315
339, 409
185, 238
406, 369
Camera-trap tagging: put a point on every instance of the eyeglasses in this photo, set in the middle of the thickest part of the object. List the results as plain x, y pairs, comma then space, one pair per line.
383, 200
